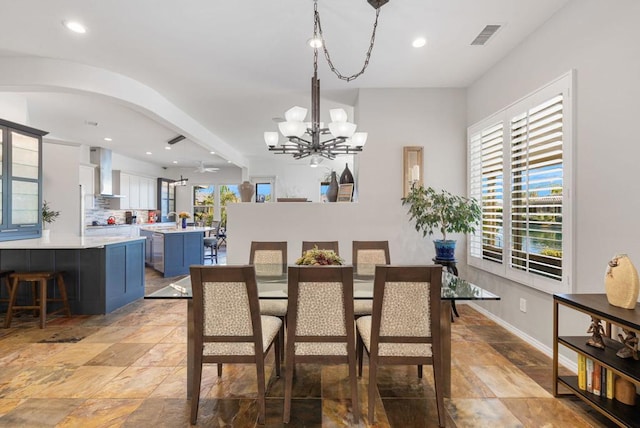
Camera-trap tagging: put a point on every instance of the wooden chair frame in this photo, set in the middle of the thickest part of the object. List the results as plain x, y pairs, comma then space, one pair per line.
322, 245
246, 274
273, 246
432, 275
341, 274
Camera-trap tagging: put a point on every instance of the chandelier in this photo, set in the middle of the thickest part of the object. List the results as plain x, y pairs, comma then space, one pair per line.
304, 138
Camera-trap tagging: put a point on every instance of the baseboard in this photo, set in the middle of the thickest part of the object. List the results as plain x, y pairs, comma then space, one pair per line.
569, 363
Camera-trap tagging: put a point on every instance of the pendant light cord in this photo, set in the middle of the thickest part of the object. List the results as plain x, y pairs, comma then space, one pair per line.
317, 30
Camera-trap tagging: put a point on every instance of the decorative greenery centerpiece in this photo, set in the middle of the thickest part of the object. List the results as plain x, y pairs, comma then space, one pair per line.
442, 211
48, 215
317, 257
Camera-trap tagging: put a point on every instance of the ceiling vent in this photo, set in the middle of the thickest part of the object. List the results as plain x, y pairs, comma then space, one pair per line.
483, 37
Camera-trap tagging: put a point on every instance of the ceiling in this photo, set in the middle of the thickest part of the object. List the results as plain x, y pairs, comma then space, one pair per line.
220, 71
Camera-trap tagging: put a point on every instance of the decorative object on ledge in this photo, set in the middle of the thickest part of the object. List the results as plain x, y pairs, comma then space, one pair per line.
183, 217
345, 192
346, 176
597, 331
621, 282
345, 140
411, 168
317, 257
332, 192
630, 341
246, 191
445, 212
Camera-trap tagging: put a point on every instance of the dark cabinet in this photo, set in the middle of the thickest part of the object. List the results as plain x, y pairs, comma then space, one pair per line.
20, 181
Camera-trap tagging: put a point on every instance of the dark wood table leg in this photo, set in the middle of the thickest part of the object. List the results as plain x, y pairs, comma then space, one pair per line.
190, 347
445, 344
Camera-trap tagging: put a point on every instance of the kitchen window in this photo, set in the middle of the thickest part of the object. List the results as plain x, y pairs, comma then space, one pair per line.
204, 202
520, 163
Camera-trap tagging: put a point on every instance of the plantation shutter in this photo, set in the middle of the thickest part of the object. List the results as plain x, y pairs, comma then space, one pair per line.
486, 186
536, 189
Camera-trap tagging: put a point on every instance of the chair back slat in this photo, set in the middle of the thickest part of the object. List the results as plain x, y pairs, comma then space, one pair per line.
269, 258
367, 254
227, 310
320, 309
406, 309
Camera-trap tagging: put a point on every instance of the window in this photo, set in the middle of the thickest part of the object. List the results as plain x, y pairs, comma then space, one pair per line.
264, 192
229, 193
525, 233
204, 203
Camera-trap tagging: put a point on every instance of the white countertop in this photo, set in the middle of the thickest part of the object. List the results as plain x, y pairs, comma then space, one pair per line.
172, 229
67, 242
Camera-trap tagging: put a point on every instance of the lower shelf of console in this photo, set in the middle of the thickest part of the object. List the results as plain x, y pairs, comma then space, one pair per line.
623, 413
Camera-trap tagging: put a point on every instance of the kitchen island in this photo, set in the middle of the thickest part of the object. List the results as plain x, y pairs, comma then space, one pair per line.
102, 273
171, 250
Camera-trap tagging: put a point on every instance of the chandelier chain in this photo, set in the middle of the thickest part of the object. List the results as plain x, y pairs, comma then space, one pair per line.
318, 30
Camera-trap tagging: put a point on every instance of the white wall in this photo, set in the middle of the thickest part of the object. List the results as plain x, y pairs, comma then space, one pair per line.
599, 40
61, 185
433, 118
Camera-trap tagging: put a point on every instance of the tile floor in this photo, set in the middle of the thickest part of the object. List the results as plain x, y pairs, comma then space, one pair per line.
128, 369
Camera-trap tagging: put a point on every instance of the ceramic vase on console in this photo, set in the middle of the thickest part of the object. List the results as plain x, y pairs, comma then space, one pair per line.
346, 177
621, 282
246, 191
46, 234
332, 191
184, 223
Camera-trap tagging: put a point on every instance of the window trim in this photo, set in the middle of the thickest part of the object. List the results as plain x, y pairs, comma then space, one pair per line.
565, 85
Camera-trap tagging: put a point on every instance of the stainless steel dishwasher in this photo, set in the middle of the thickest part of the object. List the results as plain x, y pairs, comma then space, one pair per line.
158, 251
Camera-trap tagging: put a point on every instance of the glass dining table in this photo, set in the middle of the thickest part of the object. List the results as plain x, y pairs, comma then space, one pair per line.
275, 287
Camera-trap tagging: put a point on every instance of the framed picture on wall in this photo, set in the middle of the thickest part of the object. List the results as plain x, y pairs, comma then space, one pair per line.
345, 191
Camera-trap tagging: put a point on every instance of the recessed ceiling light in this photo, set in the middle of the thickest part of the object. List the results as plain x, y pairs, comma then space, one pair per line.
75, 26
228, 161
149, 153
175, 161
419, 42
167, 147
213, 153
107, 139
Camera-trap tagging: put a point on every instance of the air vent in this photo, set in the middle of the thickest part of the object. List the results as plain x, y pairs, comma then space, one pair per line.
484, 36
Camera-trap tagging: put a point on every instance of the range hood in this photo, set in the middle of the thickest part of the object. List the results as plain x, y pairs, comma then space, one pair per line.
102, 157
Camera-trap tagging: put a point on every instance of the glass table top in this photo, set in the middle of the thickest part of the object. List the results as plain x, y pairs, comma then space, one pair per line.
275, 287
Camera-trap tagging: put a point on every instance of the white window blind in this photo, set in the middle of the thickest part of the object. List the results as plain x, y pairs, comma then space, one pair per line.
520, 161
536, 189
486, 186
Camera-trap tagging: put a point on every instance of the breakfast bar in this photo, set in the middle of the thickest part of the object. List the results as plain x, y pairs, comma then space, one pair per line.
102, 273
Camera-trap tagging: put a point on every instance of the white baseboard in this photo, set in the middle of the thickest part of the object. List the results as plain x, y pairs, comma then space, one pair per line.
565, 361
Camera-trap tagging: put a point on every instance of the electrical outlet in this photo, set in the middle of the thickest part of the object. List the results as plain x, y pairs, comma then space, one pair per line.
523, 305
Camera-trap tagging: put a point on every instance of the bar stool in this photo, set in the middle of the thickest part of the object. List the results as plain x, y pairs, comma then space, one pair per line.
4, 276
39, 299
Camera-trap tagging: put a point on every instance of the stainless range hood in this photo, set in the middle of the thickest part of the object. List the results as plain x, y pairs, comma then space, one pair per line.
102, 157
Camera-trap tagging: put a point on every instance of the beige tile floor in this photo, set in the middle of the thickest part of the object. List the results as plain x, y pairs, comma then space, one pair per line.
128, 369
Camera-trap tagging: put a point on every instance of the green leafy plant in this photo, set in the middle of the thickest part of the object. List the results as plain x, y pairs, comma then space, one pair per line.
317, 257
48, 215
442, 211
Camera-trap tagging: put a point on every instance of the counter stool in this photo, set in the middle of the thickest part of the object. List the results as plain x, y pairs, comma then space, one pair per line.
4, 275
39, 299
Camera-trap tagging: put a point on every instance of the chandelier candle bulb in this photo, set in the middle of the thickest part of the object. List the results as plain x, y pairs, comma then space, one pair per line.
415, 173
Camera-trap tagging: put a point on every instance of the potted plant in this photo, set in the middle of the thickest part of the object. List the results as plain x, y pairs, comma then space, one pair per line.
184, 216
48, 217
442, 211
317, 257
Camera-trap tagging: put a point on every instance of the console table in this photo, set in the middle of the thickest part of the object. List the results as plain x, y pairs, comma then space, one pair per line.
597, 306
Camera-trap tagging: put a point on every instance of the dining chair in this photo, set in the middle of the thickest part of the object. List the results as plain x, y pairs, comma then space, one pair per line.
404, 327
229, 327
365, 256
322, 245
320, 327
270, 260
